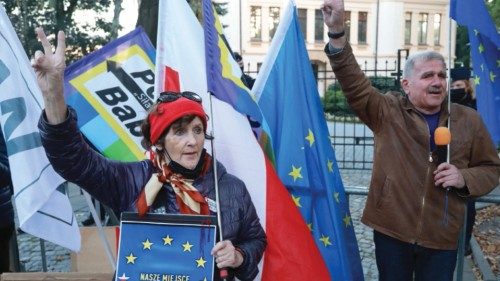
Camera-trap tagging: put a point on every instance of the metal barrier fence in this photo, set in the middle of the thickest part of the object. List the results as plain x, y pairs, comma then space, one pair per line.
495, 199
351, 139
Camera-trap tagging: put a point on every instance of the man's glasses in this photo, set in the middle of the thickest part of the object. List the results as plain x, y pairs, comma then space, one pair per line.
173, 96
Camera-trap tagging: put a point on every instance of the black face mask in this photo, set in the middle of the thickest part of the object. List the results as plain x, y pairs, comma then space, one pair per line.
188, 173
460, 96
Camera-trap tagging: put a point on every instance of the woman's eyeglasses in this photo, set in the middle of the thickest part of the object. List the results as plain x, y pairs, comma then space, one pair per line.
173, 96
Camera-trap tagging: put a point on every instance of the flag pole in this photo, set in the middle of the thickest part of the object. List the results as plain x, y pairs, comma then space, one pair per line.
223, 271
100, 230
448, 91
461, 240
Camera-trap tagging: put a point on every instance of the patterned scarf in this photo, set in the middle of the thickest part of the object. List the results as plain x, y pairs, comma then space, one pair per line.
189, 199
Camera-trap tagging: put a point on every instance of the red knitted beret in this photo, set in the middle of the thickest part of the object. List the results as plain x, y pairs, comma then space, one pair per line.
169, 112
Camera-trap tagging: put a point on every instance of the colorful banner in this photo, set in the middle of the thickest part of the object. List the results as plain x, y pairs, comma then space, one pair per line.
112, 89
42, 206
305, 161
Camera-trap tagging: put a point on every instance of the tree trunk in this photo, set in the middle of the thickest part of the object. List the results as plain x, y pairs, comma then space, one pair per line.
148, 15
115, 26
148, 18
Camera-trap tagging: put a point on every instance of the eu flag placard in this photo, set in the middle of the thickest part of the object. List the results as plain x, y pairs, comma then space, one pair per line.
166, 248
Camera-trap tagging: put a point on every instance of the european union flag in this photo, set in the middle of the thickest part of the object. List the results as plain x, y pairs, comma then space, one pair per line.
485, 52
167, 251
305, 160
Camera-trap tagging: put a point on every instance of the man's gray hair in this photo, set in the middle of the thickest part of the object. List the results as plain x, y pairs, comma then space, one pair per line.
421, 56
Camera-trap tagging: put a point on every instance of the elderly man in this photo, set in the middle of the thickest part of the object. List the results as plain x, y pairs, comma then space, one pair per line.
415, 204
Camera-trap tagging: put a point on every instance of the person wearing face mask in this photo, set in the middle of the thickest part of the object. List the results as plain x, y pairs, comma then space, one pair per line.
461, 90
245, 78
178, 177
416, 201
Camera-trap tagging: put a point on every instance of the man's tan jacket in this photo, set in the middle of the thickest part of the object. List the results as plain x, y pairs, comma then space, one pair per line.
403, 201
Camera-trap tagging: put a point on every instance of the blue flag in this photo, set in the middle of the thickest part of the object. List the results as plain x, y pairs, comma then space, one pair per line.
485, 52
288, 97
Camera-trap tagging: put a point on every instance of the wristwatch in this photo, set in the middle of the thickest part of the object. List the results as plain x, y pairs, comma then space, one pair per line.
336, 35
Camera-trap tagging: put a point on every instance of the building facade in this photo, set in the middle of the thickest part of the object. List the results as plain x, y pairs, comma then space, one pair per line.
377, 30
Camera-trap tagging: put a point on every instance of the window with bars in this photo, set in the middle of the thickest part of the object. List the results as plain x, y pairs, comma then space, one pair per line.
362, 27
408, 28
347, 24
302, 13
422, 28
255, 23
437, 29
318, 26
274, 19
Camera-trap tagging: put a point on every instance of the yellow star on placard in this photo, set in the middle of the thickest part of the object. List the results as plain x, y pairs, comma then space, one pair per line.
310, 226
325, 240
130, 259
347, 220
167, 240
330, 165
481, 48
492, 76
187, 247
295, 173
296, 200
310, 137
477, 80
200, 262
336, 197
147, 245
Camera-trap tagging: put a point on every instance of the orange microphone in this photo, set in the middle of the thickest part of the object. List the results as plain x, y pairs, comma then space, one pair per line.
442, 137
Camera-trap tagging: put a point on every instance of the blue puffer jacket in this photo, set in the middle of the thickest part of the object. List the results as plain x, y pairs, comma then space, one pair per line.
118, 184
6, 209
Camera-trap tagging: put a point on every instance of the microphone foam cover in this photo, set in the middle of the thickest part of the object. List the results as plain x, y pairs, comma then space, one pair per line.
442, 136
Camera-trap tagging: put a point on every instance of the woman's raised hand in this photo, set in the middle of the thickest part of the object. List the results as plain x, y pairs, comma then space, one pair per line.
49, 69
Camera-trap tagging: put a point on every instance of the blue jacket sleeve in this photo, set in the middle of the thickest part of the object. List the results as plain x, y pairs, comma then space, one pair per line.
115, 184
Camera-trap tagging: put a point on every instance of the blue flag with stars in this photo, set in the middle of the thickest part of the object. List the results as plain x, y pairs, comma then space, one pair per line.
165, 251
485, 53
305, 161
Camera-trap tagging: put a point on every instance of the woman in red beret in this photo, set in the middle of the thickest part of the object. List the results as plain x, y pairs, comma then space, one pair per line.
178, 177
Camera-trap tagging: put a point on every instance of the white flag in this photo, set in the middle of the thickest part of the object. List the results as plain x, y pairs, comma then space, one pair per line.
42, 209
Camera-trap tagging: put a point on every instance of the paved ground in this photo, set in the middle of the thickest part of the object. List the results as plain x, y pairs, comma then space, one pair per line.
58, 258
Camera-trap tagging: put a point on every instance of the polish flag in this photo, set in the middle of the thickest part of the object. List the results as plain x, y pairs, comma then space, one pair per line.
180, 65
